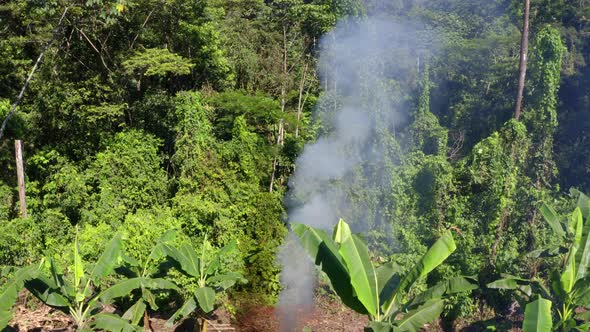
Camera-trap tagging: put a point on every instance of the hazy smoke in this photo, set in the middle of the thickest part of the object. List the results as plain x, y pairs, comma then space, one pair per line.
365, 68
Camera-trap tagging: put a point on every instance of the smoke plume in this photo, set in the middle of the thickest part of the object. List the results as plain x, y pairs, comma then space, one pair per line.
366, 68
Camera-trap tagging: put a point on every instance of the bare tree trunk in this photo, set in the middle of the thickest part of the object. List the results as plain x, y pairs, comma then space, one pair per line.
281, 135
20, 175
524, 48
300, 102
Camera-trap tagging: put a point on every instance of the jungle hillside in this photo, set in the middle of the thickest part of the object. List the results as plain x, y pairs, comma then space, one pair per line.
295, 165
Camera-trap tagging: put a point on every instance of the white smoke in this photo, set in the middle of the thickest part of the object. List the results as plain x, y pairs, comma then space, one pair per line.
366, 67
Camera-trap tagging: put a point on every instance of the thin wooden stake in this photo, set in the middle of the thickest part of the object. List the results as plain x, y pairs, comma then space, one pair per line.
20, 174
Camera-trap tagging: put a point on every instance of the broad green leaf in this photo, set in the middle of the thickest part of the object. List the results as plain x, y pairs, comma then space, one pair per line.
581, 292
450, 286
47, 292
380, 326
188, 307
325, 254
10, 290
505, 283
513, 283
435, 255
537, 316
553, 219
158, 283
130, 260
5, 318
168, 236
414, 320
226, 280
583, 253
150, 298
185, 257
584, 204
568, 276
548, 252
55, 299
388, 277
461, 284
192, 259
126, 286
583, 316
206, 298
121, 288
135, 313
108, 260
112, 323
557, 286
360, 268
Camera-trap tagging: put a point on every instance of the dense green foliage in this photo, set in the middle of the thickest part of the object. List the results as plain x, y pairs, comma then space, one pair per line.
148, 116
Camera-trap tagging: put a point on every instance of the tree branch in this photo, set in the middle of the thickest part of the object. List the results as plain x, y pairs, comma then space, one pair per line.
31, 73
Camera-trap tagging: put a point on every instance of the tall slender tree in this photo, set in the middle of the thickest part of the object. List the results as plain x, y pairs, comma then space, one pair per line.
524, 48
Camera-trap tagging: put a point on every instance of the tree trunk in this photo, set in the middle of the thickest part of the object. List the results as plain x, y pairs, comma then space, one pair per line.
281, 135
524, 48
300, 102
20, 174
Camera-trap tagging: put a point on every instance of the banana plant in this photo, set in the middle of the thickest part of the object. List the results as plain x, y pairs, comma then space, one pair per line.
381, 292
9, 291
143, 275
206, 270
79, 294
569, 286
74, 294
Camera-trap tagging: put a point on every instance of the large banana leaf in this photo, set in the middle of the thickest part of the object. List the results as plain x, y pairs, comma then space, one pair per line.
126, 286
188, 307
512, 283
414, 320
449, 286
552, 219
388, 277
121, 288
583, 253
186, 257
584, 204
360, 268
537, 316
112, 323
437, 254
581, 292
135, 312
46, 290
380, 326
108, 260
206, 298
568, 276
10, 290
324, 251
226, 280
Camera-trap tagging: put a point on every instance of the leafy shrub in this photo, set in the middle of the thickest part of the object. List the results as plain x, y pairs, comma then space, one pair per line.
126, 176
21, 241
